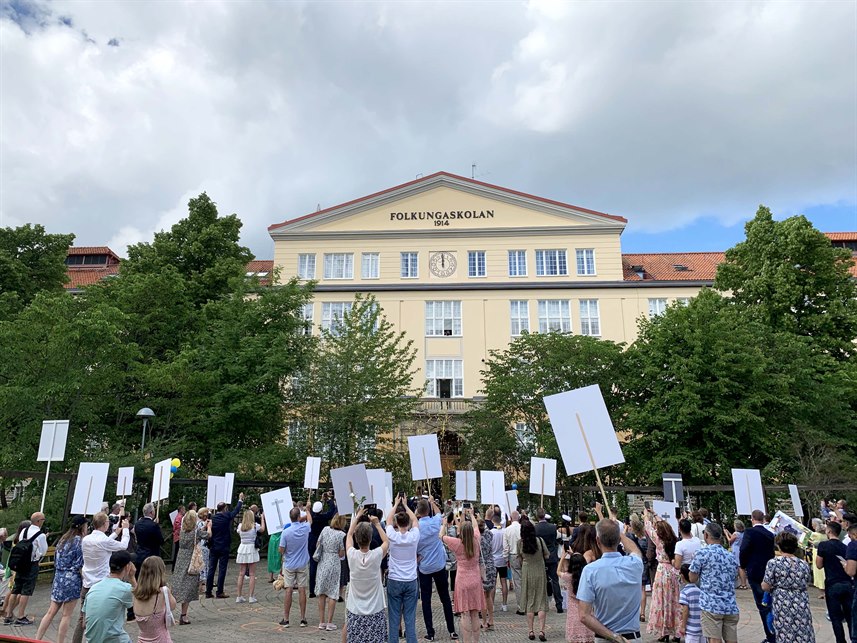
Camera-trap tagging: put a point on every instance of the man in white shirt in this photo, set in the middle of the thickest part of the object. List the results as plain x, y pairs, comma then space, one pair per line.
25, 578
97, 549
511, 538
403, 532
500, 560
686, 548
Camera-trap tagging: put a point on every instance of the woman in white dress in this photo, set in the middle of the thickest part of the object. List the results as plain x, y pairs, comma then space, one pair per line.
248, 555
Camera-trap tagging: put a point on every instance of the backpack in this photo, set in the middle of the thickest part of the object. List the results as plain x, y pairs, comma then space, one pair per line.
21, 556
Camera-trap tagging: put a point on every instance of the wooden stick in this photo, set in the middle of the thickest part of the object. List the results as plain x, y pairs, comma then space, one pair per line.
592, 461
88, 492
749, 497
542, 501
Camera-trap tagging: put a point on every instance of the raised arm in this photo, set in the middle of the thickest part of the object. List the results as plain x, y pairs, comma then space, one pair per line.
385, 542
309, 508
415, 524
349, 537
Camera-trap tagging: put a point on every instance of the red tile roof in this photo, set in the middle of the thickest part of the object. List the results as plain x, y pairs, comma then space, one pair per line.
87, 276
93, 250
661, 266
263, 269
841, 236
422, 179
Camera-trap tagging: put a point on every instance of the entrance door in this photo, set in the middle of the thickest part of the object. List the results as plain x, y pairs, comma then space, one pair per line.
444, 389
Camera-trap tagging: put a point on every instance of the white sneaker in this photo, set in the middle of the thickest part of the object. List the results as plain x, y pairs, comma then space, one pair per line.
331, 627
240, 599
252, 599
504, 608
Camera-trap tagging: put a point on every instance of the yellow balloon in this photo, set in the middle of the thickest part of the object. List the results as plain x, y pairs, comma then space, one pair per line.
171, 476
176, 462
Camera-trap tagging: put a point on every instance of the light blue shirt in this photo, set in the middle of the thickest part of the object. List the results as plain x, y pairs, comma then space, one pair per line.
716, 568
430, 551
105, 607
612, 585
295, 545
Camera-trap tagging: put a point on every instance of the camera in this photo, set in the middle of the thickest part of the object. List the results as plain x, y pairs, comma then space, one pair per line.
466, 505
370, 508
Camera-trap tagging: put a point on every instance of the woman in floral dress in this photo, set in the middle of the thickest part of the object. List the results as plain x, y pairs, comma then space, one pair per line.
65, 591
328, 551
786, 577
664, 611
184, 585
570, 569
489, 582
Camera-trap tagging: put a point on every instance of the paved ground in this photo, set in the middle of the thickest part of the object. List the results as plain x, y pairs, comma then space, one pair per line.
216, 621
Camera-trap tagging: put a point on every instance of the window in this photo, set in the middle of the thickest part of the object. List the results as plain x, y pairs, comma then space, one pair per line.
551, 263
585, 261
296, 433
444, 378
410, 269
520, 313
371, 265
523, 434
339, 266
517, 263
554, 315
332, 313
443, 318
306, 266
590, 322
684, 301
306, 315
657, 307
476, 263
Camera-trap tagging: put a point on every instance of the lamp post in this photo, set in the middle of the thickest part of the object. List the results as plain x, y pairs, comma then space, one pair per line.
146, 414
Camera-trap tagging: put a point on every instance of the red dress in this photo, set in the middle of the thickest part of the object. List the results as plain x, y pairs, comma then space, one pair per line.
468, 594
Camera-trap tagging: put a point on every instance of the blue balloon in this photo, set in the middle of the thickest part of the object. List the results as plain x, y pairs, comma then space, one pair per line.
514, 485
173, 469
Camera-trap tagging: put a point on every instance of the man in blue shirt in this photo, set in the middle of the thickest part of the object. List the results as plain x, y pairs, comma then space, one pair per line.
609, 590
107, 602
432, 566
714, 569
220, 544
294, 548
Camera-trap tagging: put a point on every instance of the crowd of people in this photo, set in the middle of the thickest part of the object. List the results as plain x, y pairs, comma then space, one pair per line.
610, 578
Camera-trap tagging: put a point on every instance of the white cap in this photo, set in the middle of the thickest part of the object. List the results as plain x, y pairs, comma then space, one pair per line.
317, 506
547, 516
303, 514
566, 517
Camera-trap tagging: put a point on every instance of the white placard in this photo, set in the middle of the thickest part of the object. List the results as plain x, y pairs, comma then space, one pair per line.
511, 502
214, 491
229, 485
543, 476
125, 481
377, 487
312, 473
344, 481
388, 478
493, 484
465, 485
425, 457
666, 510
90, 487
173, 514
53, 440
277, 505
796, 500
161, 480
583, 430
749, 494
673, 487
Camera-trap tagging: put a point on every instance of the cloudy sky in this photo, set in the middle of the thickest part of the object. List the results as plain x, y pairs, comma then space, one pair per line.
680, 116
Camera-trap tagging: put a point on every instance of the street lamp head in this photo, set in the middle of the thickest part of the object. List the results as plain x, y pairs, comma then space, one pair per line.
145, 413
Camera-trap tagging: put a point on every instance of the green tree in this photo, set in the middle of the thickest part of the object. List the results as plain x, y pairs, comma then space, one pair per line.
709, 387
356, 389
789, 276
30, 261
515, 382
203, 248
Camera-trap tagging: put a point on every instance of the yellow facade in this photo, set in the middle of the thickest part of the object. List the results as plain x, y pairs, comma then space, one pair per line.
476, 248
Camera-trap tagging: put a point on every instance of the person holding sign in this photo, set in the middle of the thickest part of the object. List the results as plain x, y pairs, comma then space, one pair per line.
468, 597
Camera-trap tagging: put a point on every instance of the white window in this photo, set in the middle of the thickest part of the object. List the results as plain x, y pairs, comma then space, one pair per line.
306, 315
371, 265
443, 318
585, 261
684, 301
339, 265
296, 433
551, 263
554, 314
520, 313
410, 269
332, 313
657, 307
476, 263
444, 378
590, 321
523, 434
517, 263
306, 266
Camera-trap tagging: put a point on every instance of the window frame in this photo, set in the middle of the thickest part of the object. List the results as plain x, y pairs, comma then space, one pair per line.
519, 320
431, 322
416, 264
589, 318
476, 254
349, 263
562, 303
662, 303
377, 264
307, 255
327, 322
560, 256
509, 262
457, 377
581, 254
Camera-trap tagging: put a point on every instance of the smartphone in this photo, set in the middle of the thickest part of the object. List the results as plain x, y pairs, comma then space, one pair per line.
466, 505
646, 504
371, 508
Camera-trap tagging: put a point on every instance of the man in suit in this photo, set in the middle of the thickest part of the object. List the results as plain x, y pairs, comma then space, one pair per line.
220, 544
149, 536
757, 548
547, 532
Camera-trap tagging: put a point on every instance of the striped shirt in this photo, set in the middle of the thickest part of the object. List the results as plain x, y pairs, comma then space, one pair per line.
690, 596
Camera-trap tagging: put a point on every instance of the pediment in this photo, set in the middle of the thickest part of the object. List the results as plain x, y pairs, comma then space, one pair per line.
444, 202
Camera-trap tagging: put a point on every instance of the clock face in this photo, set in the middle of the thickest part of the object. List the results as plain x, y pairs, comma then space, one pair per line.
442, 264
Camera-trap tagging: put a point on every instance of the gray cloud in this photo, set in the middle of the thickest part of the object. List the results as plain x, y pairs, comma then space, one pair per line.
661, 112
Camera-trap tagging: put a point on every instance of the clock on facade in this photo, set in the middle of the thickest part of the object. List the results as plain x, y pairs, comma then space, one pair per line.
442, 264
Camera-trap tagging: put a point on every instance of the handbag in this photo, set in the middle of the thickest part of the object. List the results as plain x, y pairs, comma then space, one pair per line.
197, 562
169, 619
